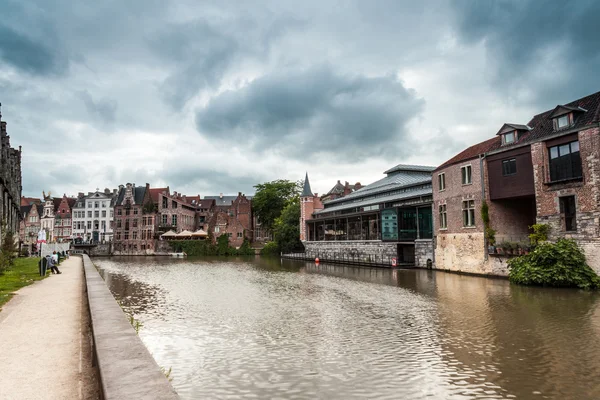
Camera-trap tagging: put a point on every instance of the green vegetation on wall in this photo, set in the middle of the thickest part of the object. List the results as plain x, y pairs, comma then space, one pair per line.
207, 248
560, 264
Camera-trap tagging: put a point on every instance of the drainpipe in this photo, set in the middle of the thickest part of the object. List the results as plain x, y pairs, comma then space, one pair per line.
481, 157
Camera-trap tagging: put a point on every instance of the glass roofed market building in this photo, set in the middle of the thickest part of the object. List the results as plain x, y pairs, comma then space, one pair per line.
388, 217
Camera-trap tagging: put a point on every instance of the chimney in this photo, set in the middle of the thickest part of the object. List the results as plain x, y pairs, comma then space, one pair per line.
80, 194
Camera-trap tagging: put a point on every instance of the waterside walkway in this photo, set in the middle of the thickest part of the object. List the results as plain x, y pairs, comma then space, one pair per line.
45, 348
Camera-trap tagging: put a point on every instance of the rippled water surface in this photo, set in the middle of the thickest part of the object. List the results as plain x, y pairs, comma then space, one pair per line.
273, 329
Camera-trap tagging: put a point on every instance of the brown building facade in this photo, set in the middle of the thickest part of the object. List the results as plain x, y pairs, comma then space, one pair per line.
10, 184
545, 172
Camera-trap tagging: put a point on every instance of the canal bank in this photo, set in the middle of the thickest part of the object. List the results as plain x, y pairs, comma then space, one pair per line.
46, 350
126, 369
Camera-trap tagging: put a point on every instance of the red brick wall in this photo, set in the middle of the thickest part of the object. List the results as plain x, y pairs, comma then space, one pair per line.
586, 192
453, 196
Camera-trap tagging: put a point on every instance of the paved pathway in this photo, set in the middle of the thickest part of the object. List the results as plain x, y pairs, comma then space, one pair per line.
44, 339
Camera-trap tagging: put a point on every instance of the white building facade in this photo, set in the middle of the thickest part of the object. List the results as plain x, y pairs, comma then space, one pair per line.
93, 216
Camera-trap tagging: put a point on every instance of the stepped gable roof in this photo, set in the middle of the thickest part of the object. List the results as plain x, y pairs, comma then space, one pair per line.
222, 201
138, 195
472, 152
154, 192
306, 191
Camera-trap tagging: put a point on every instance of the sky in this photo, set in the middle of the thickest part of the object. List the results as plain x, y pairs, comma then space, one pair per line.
213, 97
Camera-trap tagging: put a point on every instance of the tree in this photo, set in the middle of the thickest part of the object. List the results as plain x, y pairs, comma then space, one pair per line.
287, 227
8, 249
271, 198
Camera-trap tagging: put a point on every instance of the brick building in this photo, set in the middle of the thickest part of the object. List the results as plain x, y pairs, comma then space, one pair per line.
232, 215
546, 171
134, 221
31, 210
63, 225
338, 190
10, 183
174, 211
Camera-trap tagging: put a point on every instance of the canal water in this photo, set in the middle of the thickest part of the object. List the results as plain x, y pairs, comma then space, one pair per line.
282, 329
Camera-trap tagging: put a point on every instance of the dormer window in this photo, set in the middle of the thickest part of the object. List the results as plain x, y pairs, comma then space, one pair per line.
563, 121
509, 137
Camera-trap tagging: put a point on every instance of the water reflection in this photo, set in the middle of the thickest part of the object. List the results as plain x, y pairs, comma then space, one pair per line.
270, 328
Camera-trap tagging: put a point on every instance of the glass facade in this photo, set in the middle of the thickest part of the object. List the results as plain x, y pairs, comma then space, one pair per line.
391, 224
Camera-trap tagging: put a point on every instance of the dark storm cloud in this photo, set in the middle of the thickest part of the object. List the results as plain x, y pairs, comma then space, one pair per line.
315, 111
519, 37
212, 181
29, 54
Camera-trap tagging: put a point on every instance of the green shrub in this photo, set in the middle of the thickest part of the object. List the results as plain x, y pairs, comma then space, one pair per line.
560, 264
8, 250
271, 248
540, 233
245, 249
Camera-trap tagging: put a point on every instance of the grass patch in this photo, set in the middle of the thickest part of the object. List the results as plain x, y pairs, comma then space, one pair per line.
23, 273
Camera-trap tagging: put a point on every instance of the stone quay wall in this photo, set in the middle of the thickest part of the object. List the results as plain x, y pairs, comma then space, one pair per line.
368, 250
465, 253
126, 368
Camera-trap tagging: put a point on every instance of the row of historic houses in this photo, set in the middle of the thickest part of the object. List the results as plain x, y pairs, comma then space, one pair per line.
546, 171
132, 219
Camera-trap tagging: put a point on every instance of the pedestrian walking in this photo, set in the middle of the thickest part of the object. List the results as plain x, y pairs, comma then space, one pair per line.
52, 264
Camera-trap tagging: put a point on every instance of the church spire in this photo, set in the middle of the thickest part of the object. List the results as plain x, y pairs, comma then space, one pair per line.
306, 192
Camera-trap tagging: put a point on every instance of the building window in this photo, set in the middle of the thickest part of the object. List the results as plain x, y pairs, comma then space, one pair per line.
466, 174
135, 223
442, 181
468, 207
103, 225
135, 211
134, 235
174, 220
127, 211
96, 204
126, 235
96, 214
103, 213
89, 224
118, 235
239, 235
173, 204
89, 214
565, 161
112, 213
119, 212
229, 235
103, 204
118, 223
443, 217
562, 121
568, 213
509, 167
509, 137
216, 229
164, 219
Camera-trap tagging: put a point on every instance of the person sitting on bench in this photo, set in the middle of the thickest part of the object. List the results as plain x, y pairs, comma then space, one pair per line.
52, 264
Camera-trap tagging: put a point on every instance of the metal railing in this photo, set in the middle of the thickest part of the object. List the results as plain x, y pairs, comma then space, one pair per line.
382, 261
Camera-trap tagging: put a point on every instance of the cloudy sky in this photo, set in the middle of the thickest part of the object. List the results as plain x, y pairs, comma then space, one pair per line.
215, 96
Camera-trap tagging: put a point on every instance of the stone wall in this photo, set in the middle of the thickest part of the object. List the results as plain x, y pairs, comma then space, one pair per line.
423, 252
369, 251
465, 252
101, 250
